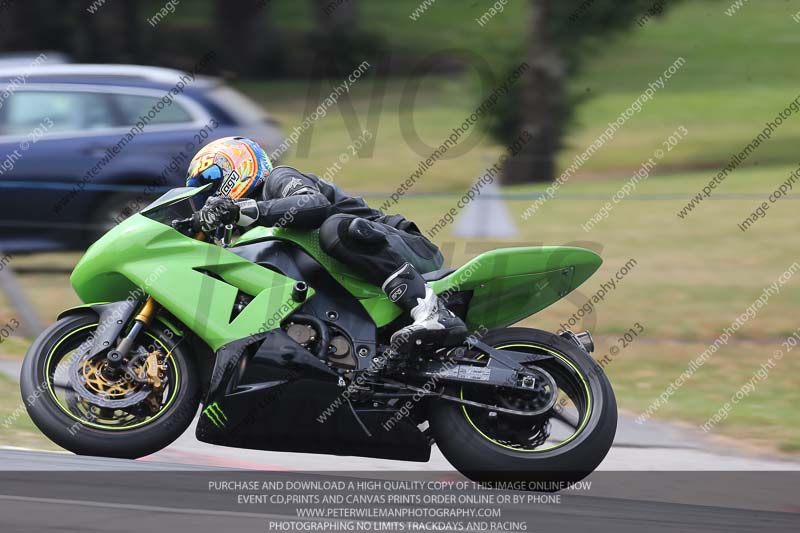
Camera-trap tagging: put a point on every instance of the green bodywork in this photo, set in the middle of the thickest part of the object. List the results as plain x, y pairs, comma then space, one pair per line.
198, 282
174, 328
508, 284
379, 307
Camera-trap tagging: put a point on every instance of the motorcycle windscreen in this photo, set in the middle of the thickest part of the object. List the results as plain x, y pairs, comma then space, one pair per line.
195, 197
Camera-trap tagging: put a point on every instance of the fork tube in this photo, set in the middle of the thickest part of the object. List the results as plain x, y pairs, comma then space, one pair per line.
142, 320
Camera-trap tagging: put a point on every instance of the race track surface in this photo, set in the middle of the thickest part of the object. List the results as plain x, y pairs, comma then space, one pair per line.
658, 477
89, 494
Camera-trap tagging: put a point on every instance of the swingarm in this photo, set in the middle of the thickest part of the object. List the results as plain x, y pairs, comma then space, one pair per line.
504, 372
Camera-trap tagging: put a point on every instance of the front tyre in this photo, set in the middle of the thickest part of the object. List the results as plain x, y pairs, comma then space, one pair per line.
563, 445
111, 417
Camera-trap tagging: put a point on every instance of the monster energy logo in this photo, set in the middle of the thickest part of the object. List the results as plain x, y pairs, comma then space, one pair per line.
215, 414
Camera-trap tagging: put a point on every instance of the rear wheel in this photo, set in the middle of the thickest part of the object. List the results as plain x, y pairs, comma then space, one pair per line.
81, 405
564, 444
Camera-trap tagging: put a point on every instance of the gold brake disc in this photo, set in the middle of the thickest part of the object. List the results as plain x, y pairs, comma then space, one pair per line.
97, 382
100, 388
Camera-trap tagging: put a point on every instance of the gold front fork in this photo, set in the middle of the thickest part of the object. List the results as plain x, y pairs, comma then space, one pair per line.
148, 311
142, 320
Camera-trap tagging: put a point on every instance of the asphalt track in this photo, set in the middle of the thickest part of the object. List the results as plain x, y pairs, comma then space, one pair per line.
658, 477
89, 494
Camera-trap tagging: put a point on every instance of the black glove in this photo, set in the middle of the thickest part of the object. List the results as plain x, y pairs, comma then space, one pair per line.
218, 211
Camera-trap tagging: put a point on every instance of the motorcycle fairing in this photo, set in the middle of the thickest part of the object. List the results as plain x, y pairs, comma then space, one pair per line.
273, 400
272, 378
371, 297
508, 284
197, 282
331, 298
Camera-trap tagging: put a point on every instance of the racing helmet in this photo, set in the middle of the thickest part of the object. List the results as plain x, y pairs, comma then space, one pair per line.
234, 166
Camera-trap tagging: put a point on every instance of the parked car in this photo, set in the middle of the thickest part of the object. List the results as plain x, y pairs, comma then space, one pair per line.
74, 159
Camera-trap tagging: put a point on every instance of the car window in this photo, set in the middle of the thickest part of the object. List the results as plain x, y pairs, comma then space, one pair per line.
133, 106
68, 111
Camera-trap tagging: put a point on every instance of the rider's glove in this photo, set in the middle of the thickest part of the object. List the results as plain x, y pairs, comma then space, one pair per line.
221, 210
218, 211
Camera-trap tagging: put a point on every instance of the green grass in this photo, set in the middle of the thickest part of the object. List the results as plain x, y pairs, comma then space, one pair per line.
16, 428
441, 105
738, 74
755, 48
693, 277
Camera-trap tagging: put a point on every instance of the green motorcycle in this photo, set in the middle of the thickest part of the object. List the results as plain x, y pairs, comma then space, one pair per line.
286, 349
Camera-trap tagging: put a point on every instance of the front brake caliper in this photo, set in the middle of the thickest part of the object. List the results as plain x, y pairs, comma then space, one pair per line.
154, 370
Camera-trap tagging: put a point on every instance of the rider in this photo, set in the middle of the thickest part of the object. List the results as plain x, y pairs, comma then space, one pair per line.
387, 250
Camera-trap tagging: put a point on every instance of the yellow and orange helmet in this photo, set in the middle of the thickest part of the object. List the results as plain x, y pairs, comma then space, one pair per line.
235, 166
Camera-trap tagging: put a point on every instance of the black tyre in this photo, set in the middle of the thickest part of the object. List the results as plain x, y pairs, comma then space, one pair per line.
565, 444
85, 428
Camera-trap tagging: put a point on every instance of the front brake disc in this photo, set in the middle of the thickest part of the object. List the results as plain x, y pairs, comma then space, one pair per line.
88, 379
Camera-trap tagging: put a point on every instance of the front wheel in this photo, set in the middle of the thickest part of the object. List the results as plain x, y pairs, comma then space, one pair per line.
78, 403
564, 444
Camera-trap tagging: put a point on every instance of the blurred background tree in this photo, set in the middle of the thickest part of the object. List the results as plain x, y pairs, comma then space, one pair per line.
334, 28
338, 41
316, 38
248, 39
562, 34
268, 39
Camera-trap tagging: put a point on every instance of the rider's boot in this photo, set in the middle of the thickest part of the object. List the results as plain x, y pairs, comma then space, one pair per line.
432, 322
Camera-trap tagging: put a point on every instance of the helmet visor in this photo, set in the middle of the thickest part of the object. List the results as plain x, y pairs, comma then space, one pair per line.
211, 176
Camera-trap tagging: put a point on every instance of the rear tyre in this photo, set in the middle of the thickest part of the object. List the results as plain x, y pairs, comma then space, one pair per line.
84, 428
563, 445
